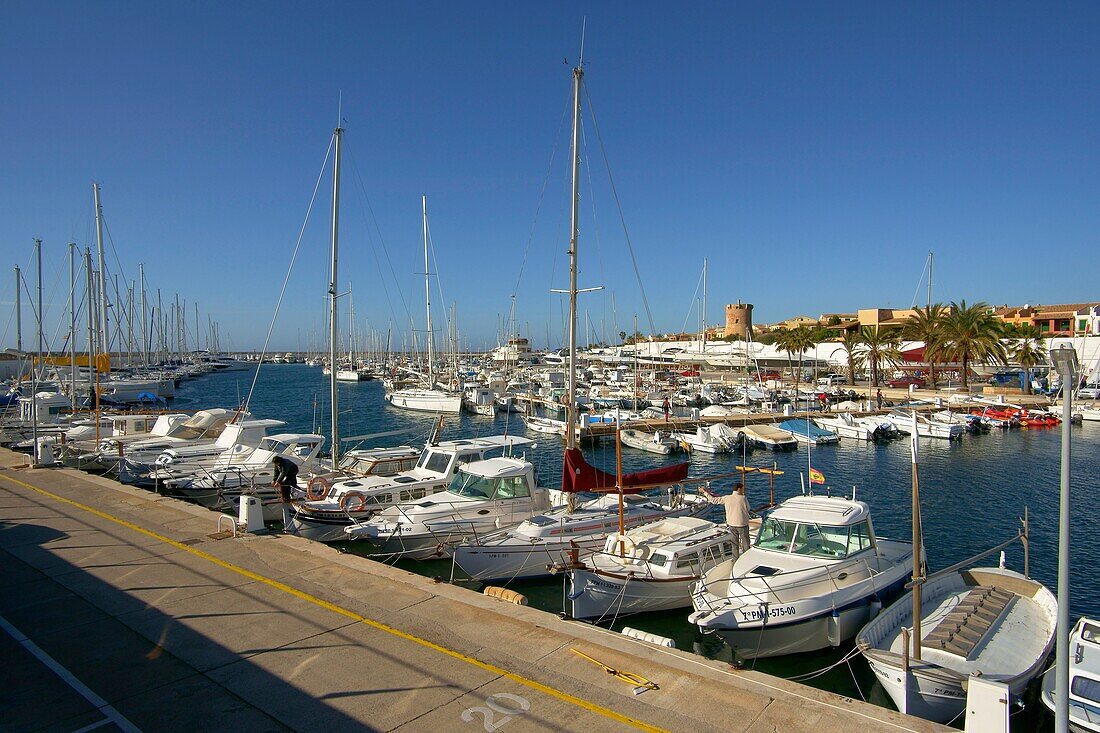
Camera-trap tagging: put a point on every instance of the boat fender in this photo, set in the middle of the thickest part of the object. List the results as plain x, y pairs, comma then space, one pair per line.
317, 488
834, 628
504, 594
651, 638
353, 501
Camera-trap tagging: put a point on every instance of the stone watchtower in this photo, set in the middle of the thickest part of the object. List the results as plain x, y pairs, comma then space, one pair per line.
739, 320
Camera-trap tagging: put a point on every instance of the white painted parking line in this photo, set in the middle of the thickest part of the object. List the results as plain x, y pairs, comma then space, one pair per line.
100, 704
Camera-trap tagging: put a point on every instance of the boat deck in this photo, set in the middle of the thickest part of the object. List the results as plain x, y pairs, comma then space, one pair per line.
976, 629
125, 610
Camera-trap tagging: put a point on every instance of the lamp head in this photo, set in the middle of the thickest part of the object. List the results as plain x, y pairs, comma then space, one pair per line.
1064, 359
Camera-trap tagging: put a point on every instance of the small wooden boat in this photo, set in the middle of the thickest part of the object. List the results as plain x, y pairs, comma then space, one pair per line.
989, 621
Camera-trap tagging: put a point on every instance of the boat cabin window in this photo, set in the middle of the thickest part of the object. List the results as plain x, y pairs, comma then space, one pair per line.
413, 494
482, 488
435, 461
272, 445
814, 540
1086, 688
659, 559
775, 535
859, 538
513, 488
820, 540
687, 561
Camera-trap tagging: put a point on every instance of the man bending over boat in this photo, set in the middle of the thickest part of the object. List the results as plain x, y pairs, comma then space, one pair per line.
286, 479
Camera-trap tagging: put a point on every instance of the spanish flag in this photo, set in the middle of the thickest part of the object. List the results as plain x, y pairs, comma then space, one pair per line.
816, 477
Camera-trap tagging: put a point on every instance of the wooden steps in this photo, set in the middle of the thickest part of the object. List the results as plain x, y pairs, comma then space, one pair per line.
967, 624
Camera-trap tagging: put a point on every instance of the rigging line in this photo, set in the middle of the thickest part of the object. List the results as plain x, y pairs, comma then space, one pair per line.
698, 284
542, 192
595, 222
286, 280
622, 218
438, 283
916, 290
381, 239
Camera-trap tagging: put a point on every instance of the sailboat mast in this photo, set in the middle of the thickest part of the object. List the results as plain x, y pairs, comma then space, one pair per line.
571, 406
38, 361
332, 323
18, 311
104, 341
91, 326
72, 322
428, 297
930, 279
918, 548
704, 304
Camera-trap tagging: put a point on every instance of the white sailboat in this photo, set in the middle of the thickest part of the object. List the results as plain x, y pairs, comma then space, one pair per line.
429, 398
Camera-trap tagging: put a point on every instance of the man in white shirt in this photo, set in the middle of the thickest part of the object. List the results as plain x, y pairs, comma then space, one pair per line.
737, 515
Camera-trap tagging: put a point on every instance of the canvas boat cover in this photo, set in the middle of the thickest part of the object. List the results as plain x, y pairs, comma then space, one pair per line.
578, 475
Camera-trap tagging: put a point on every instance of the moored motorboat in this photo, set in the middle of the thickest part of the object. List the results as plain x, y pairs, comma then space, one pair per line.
656, 442
808, 582
1084, 678
769, 436
805, 431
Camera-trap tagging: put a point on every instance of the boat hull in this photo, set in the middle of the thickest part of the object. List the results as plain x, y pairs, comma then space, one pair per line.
594, 595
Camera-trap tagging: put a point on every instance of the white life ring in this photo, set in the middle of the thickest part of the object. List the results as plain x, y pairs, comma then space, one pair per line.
630, 549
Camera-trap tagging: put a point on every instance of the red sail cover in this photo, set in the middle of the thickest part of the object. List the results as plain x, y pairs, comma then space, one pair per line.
578, 475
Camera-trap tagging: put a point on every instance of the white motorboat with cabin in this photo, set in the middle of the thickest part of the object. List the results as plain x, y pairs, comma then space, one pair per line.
332, 506
847, 426
1084, 678
926, 427
243, 437
716, 438
483, 496
808, 582
648, 568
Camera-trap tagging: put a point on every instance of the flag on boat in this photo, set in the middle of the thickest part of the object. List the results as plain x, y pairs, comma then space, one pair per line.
816, 477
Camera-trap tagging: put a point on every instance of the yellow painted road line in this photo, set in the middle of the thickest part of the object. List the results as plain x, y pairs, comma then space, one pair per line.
566, 697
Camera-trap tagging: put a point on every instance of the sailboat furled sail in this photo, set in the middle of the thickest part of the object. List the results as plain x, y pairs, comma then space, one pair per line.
579, 475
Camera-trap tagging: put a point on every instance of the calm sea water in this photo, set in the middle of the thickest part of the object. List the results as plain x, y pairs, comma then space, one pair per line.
973, 494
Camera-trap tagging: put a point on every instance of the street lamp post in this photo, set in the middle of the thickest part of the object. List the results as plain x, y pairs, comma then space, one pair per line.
1064, 360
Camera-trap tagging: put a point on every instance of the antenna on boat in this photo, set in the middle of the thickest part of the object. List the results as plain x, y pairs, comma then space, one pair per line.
580, 60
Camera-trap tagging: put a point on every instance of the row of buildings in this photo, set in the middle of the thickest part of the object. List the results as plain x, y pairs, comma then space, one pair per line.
1059, 319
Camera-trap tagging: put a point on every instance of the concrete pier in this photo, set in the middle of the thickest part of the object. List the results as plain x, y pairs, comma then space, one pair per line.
123, 610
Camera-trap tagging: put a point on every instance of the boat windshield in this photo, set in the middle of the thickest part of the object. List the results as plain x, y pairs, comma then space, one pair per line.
435, 461
814, 540
483, 488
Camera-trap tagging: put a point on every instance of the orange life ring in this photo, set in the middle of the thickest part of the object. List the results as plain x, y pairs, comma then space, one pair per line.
353, 501
315, 483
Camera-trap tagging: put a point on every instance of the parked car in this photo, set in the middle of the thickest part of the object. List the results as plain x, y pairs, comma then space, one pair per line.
1089, 392
905, 382
832, 380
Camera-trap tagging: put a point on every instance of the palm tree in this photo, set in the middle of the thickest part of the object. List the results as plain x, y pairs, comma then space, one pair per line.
971, 332
880, 346
852, 341
783, 342
926, 325
798, 341
1029, 350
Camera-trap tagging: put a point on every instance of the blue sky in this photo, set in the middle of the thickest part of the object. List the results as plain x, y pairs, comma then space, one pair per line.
814, 152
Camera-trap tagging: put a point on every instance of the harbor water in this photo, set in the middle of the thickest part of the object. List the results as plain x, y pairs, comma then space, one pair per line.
973, 494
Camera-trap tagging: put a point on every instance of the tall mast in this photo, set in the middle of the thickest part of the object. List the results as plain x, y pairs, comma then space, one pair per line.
198, 342
104, 341
704, 304
72, 322
91, 322
571, 405
428, 298
38, 361
144, 318
18, 310
918, 548
929, 279
332, 315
